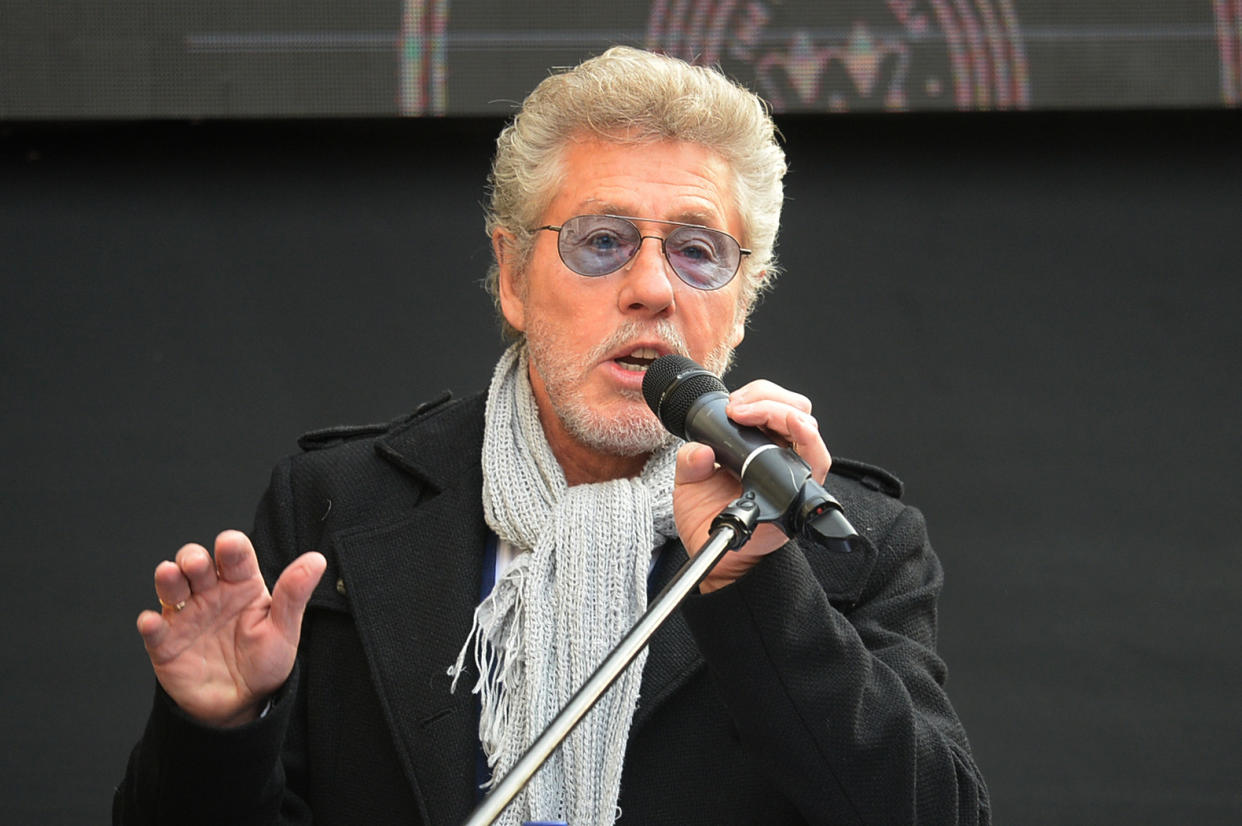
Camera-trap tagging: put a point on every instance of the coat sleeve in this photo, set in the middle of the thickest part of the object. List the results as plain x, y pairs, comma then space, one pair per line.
845, 702
184, 772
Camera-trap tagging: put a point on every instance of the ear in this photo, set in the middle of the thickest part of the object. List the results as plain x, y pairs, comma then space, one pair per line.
510, 289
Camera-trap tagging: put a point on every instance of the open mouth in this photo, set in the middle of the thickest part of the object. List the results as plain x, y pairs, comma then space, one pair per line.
638, 360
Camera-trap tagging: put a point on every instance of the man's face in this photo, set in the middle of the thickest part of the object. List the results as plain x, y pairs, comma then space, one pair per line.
590, 338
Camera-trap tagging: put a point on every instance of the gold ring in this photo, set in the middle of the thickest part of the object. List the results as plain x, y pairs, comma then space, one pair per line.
176, 607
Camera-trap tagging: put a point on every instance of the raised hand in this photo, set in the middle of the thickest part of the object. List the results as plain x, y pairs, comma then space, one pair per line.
703, 489
222, 645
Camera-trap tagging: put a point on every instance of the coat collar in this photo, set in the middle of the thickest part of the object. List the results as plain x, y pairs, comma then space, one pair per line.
413, 585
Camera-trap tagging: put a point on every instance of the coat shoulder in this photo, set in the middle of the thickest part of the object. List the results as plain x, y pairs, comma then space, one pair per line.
869, 476
327, 437
434, 442
869, 495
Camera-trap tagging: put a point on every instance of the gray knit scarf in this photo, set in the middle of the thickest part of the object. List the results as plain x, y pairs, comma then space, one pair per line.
561, 606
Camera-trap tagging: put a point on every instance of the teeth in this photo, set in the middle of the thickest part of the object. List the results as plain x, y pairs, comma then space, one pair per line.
638, 360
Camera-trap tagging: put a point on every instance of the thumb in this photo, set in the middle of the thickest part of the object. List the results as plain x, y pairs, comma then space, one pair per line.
293, 590
695, 462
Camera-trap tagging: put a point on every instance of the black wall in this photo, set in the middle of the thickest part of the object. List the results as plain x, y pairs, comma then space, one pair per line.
1033, 319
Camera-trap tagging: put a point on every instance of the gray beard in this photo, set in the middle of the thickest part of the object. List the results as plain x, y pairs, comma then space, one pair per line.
634, 431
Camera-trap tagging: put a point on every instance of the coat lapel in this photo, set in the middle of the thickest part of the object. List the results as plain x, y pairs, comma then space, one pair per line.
673, 656
413, 584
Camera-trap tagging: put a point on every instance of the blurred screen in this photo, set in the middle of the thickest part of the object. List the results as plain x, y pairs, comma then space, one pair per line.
126, 59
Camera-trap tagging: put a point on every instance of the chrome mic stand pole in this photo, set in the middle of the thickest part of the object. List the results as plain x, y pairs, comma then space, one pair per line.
730, 529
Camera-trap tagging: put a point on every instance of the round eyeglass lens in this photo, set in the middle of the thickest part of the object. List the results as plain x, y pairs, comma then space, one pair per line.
703, 258
597, 244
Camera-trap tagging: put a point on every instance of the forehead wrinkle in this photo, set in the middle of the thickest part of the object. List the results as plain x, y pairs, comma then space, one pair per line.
702, 217
673, 180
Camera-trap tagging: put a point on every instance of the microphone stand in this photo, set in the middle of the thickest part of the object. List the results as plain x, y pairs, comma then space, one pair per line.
730, 530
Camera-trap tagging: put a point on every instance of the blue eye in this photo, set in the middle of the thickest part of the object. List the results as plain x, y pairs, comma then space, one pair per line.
603, 241
695, 253
696, 246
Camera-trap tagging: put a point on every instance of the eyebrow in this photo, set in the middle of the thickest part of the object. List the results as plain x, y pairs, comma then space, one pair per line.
690, 216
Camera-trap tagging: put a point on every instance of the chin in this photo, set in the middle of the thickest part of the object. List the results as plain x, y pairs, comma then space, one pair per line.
633, 432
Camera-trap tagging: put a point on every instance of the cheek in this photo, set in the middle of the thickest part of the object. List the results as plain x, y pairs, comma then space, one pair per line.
718, 320
580, 307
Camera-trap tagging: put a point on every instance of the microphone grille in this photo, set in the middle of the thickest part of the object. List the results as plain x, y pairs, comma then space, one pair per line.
671, 386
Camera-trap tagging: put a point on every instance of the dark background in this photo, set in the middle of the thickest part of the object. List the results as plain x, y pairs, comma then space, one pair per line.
1031, 318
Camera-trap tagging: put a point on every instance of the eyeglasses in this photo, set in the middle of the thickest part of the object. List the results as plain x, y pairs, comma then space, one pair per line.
595, 245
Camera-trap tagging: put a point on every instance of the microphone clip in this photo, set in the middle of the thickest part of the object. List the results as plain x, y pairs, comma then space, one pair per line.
742, 515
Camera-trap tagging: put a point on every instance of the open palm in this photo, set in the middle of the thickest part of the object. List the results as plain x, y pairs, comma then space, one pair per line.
222, 644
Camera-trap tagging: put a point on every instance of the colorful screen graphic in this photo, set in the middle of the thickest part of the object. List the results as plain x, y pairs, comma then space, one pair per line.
172, 58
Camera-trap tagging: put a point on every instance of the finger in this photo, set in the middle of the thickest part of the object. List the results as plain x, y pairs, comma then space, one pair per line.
235, 557
769, 414
155, 628
195, 563
799, 429
172, 588
695, 463
152, 627
805, 438
293, 590
764, 390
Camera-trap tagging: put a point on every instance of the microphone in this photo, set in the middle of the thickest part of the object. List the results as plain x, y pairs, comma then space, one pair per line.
690, 402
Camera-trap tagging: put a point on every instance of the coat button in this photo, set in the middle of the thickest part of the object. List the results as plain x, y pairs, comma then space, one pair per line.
340, 587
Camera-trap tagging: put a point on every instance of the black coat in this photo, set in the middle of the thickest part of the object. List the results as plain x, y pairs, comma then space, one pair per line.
808, 691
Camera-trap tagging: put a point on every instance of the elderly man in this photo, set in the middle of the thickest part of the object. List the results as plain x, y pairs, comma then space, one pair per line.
447, 581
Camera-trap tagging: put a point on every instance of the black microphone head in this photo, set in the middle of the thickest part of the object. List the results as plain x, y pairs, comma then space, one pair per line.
671, 386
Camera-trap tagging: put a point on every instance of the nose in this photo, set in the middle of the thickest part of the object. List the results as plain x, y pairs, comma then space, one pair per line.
647, 287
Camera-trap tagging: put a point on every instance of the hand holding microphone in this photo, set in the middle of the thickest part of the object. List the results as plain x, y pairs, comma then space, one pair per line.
691, 403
